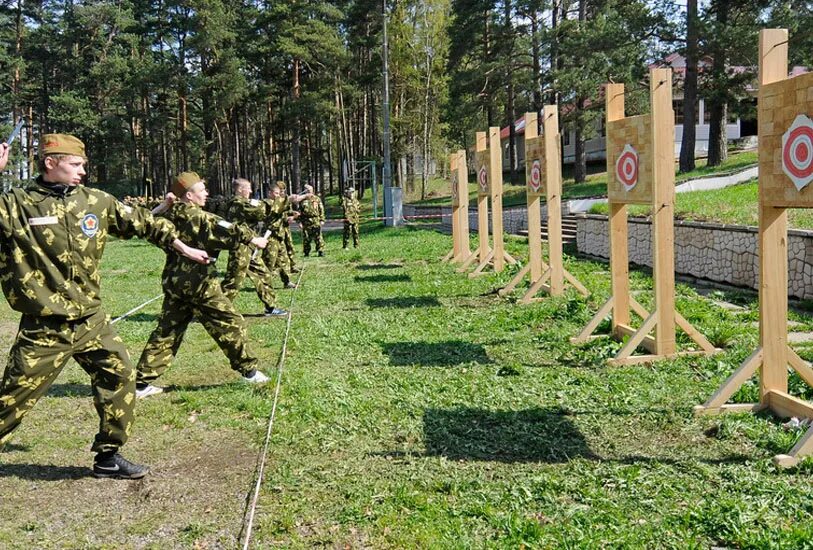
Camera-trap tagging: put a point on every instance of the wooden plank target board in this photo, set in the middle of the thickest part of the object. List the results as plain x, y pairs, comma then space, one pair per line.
483, 252
460, 208
640, 169
488, 172
543, 177
785, 172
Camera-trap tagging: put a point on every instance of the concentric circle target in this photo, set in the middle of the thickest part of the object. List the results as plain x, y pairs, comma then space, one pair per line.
536, 175
797, 152
626, 167
483, 178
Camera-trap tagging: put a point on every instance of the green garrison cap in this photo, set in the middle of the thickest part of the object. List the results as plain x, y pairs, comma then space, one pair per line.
61, 144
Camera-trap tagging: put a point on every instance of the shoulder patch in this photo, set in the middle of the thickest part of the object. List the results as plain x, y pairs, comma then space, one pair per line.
225, 224
254, 202
90, 225
128, 209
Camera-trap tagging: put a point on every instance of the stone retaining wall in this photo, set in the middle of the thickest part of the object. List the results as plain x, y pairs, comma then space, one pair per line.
514, 219
722, 253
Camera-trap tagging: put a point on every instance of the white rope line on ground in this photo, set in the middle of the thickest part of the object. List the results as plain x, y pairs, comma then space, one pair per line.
248, 520
148, 302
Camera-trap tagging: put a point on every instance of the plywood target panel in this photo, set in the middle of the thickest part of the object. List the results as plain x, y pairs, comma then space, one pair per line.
786, 142
535, 166
629, 150
455, 191
482, 163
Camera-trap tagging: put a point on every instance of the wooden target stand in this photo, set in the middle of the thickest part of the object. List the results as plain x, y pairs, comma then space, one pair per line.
785, 171
488, 170
543, 176
641, 170
460, 208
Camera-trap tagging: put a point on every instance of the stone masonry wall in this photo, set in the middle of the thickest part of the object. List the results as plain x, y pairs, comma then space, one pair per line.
716, 252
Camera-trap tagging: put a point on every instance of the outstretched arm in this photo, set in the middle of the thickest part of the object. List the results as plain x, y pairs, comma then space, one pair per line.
3, 155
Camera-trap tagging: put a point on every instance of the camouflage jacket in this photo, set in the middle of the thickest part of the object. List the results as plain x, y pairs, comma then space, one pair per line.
51, 242
313, 212
184, 278
247, 211
351, 208
276, 215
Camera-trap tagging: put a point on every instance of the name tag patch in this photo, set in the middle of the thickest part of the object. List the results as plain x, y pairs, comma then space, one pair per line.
45, 220
224, 224
90, 225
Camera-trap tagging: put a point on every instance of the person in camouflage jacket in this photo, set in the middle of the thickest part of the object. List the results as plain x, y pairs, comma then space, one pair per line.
311, 218
241, 209
351, 208
193, 291
278, 207
52, 236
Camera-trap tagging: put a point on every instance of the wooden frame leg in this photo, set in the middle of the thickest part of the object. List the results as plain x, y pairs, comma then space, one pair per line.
576, 283
717, 402
468, 261
637, 338
448, 256
587, 331
479, 270
515, 281
529, 295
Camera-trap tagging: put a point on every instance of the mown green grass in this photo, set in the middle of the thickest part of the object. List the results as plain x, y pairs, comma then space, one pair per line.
738, 204
595, 186
420, 410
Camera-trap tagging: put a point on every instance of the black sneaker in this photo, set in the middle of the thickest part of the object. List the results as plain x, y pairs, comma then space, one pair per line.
321, 253
275, 312
118, 467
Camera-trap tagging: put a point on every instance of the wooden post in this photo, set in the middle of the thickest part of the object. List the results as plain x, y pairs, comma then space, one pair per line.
640, 170
543, 173
483, 254
781, 101
619, 245
460, 208
663, 208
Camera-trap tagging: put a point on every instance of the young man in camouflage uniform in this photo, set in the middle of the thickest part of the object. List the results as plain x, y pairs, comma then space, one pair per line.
241, 209
312, 217
52, 236
192, 290
278, 208
286, 227
351, 207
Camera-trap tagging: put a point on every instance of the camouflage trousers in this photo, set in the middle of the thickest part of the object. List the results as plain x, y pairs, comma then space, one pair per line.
241, 265
43, 347
217, 315
351, 229
289, 247
275, 256
312, 233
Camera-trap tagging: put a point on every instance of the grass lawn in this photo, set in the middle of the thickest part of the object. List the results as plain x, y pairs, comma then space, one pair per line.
595, 186
418, 410
738, 204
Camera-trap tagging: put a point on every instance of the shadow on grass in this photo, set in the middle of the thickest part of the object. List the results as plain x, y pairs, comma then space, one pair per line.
70, 390
370, 267
404, 302
383, 278
435, 354
14, 447
142, 317
531, 435
43, 472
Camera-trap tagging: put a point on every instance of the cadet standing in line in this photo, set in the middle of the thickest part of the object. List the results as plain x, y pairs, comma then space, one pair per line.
286, 226
277, 208
194, 291
312, 217
240, 209
52, 236
351, 207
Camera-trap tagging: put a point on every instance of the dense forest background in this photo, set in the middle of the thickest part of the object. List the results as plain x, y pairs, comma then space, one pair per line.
292, 89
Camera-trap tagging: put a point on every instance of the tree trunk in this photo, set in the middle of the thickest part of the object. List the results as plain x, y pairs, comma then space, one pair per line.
718, 151
688, 140
296, 177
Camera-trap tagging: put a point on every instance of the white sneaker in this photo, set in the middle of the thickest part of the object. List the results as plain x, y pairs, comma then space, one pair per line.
256, 378
148, 391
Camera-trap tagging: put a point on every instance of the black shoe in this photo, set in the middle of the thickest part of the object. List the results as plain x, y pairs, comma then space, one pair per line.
275, 312
321, 253
295, 270
307, 254
116, 466
289, 285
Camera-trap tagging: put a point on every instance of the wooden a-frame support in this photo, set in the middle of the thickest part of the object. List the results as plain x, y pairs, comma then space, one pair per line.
495, 257
774, 356
460, 208
549, 277
656, 187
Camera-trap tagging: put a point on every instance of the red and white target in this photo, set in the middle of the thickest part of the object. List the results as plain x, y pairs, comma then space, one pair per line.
536, 176
626, 167
482, 177
797, 152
